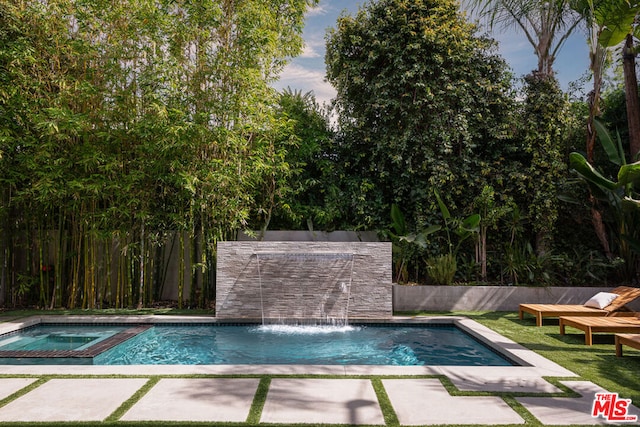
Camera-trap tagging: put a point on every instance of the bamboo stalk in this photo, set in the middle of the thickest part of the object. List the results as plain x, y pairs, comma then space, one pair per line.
181, 272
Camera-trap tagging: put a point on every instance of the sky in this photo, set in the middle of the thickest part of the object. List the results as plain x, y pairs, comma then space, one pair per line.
306, 73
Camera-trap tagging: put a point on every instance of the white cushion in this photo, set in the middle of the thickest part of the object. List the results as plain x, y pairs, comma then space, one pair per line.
601, 300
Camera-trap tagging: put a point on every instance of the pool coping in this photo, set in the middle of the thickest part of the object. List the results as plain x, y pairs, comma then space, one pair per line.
532, 364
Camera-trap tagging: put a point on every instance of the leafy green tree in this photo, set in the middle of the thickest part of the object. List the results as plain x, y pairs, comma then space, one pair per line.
543, 117
310, 153
423, 104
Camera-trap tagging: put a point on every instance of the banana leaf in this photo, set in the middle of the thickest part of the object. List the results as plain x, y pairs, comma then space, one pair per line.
471, 222
629, 175
613, 150
616, 18
399, 224
443, 208
597, 182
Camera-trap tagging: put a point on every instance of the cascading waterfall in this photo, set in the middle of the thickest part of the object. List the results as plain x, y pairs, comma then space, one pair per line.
305, 288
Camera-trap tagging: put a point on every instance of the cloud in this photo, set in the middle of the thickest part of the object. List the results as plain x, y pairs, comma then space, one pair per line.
310, 51
305, 79
316, 11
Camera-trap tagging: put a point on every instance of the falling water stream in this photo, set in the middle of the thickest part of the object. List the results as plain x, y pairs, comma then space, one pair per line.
305, 288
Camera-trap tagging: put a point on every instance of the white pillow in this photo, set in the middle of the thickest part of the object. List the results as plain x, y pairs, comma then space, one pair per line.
601, 300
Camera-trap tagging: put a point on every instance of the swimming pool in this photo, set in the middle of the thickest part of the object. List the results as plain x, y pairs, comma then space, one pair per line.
224, 344
57, 338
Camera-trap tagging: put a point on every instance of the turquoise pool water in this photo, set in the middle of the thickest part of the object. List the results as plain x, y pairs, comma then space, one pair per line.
351, 345
404, 345
57, 338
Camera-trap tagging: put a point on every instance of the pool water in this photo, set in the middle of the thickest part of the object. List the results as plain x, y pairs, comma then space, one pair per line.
350, 345
57, 338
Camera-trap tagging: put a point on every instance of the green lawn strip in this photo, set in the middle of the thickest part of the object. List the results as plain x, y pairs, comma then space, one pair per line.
389, 414
454, 391
259, 400
39, 381
567, 391
128, 404
528, 418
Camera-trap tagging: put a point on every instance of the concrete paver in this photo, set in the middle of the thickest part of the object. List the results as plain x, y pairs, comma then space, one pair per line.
86, 399
569, 410
330, 401
427, 402
8, 386
504, 383
196, 399
349, 401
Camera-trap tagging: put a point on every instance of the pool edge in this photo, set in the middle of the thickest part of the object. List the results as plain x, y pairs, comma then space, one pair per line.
534, 364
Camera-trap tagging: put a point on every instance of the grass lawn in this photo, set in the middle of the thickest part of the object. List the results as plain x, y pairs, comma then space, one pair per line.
597, 363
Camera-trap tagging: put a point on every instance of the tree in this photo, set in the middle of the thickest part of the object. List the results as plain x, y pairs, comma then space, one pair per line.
130, 124
543, 116
621, 199
608, 24
631, 95
311, 187
546, 24
423, 103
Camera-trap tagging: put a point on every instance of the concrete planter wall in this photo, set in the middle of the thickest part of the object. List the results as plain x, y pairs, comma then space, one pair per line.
485, 298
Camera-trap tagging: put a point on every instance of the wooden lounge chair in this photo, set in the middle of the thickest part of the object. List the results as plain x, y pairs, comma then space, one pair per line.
632, 340
626, 294
591, 325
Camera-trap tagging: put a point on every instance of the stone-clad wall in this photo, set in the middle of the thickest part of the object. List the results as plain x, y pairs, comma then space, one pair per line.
303, 279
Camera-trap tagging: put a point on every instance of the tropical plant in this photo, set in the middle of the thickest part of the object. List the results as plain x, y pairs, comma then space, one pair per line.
546, 24
608, 24
442, 268
613, 24
405, 243
491, 213
621, 197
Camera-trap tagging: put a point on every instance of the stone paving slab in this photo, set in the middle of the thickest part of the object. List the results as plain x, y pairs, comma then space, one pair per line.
504, 384
570, 410
327, 401
8, 386
196, 399
427, 402
86, 399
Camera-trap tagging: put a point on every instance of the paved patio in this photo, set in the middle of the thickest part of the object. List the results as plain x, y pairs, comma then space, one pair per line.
290, 400
305, 394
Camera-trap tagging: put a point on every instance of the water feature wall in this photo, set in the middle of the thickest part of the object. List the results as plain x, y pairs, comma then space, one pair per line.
313, 281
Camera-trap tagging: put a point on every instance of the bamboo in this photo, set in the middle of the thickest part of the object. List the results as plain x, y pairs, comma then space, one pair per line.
106, 291
181, 272
141, 267
43, 275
